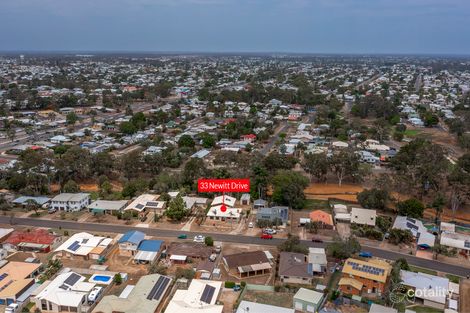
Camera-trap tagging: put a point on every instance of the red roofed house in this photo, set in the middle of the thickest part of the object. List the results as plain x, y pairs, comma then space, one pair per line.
322, 218
35, 240
249, 138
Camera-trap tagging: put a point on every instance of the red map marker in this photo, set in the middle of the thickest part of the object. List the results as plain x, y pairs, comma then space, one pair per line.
223, 208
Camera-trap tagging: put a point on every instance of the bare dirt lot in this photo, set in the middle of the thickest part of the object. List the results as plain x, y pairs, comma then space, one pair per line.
326, 191
464, 298
228, 297
282, 299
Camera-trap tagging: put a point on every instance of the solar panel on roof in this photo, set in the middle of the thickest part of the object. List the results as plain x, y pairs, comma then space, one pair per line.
158, 289
409, 225
207, 294
466, 244
72, 279
152, 203
139, 206
2, 277
74, 246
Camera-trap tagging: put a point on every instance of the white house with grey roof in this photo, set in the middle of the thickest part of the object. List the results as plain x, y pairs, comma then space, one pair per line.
456, 240
70, 202
423, 237
363, 216
68, 292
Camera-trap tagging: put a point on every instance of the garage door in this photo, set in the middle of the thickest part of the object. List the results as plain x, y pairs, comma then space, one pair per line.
310, 308
298, 306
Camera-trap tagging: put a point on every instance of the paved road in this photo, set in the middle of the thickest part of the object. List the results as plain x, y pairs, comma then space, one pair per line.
109, 228
418, 83
273, 139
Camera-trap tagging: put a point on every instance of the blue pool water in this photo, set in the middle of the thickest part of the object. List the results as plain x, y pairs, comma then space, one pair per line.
102, 278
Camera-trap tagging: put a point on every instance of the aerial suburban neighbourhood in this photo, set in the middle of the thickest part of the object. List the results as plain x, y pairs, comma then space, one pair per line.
134, 180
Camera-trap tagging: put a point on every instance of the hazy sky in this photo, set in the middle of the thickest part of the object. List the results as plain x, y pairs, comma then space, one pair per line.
316, 26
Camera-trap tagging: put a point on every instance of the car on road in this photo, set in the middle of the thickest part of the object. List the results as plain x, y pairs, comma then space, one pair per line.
317, 240
199, 238
365, 254
266, 236
183, 236
269, 231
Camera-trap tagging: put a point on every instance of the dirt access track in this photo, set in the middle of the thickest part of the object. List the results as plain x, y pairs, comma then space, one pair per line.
325, 191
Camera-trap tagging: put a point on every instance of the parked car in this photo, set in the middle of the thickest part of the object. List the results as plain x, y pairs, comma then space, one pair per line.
51, 210
183, 236
213, 257
218, 249
317, 240
95, 294
266, 236
250, 225
365, 254
269, 231
199, 238
12, 308
237, 288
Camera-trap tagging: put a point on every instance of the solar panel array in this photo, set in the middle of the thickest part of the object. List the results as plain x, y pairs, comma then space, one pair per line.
412, 220
207, 294
139, 206
412, 226
151, 203
2, 277
74, 246
366, 268
159, 288
72, 279
466, 244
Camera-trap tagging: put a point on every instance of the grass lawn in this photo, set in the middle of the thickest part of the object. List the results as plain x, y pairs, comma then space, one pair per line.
425, 309
453, 278
422, 270
412, 132
314, 204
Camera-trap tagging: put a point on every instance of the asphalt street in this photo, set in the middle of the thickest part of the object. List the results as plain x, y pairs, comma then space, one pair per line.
110, 228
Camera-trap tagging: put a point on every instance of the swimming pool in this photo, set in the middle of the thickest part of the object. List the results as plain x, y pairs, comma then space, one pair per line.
101, 279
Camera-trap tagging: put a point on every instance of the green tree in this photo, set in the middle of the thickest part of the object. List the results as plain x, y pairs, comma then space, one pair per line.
373, 198
32, 205
208, 141
209, 241
293, 244
117, 279
345, 164
316, 164
343, 249
186, 141
71, 186
127, 128
71, 118
411, 208
398, 236
177, 209
289, 188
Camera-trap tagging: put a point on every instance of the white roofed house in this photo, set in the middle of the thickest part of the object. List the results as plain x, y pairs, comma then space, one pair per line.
363, 216
201, 296
424, 239
145, 203
70, 202
227, 200
231, 214
84, 245
68, 292
458, 241
431, 290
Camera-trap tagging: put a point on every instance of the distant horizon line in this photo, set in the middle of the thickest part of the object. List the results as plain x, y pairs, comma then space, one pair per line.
235, 53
